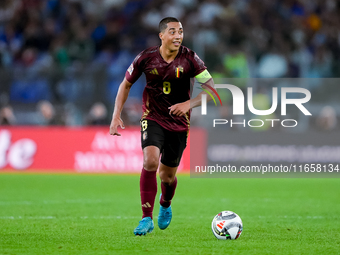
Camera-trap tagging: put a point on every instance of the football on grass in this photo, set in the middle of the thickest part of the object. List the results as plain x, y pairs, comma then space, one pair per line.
227, 225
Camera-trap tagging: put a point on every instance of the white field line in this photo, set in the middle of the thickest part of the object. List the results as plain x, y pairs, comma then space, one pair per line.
68, 201
66, 217
138, 217
87, 201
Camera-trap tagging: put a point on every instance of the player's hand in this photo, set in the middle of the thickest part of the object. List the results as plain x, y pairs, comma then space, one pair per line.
180, 109
115, 123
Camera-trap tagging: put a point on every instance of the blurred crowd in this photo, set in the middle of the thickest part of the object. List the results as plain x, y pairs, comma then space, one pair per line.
73, 54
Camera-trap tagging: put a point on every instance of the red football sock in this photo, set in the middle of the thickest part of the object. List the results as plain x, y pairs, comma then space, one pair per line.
168, 192
148, 191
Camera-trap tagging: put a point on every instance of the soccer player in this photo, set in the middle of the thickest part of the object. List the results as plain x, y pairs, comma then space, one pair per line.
166, 112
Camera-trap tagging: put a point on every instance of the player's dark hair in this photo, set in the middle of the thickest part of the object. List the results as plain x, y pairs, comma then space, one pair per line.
163, 24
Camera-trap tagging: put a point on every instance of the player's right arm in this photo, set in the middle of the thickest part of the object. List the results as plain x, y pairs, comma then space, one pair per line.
122, 95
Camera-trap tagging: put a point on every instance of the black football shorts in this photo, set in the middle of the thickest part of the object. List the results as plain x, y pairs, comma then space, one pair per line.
171, 144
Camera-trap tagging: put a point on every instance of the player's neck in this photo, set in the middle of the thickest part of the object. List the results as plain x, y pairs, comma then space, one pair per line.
167, 54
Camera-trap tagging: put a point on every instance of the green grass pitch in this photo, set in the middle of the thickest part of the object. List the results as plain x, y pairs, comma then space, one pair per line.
96, 214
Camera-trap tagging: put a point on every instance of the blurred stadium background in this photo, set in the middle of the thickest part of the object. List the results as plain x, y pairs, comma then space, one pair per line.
61, 62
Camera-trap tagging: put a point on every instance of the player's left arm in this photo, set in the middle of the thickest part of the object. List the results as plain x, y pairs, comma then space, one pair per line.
181, 109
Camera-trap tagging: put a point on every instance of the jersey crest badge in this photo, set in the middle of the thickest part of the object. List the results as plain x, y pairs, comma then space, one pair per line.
179, 71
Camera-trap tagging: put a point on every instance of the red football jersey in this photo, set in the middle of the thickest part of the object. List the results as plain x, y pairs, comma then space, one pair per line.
166, 84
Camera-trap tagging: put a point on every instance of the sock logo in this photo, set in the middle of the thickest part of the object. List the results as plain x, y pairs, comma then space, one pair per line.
146, 205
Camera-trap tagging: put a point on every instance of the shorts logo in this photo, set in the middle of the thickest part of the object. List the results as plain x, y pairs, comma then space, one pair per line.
145, 135
179, 71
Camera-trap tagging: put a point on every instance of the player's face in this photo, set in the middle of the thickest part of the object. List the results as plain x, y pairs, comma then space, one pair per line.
172, 37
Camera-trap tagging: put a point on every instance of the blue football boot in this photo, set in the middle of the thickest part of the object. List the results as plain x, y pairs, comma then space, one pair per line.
164, 217
145, 226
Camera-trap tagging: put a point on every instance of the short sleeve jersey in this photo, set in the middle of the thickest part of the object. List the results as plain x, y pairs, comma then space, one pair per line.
166, 84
